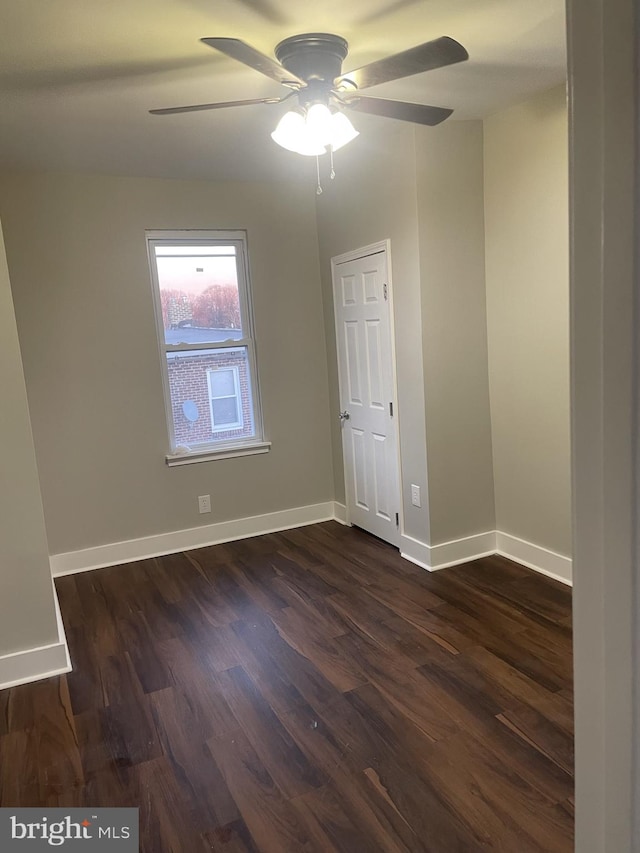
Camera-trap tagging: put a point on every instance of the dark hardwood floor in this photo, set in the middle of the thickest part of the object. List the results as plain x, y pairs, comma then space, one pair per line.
307, 691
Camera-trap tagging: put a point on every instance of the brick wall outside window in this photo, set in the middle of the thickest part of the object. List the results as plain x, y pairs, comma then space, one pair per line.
188, 381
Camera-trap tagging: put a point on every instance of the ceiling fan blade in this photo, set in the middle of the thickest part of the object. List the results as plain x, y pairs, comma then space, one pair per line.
248, 55
416, 113
424, 57
197, 107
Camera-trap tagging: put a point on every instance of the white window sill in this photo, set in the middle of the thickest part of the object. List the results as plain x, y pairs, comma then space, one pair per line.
211, 454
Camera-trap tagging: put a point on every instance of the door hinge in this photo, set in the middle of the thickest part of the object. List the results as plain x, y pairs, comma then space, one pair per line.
390, 409
385, 291
397, 519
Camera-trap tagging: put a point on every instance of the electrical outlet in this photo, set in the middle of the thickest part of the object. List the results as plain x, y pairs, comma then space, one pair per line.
204, 503
415, 495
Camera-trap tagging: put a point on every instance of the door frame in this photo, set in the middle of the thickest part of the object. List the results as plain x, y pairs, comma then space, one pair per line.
354, 255
604, 146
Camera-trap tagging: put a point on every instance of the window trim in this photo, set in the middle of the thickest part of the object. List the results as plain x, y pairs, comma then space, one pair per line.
175, 459
204, 451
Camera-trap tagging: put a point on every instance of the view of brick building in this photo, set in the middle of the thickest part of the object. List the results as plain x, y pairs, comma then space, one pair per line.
190, 384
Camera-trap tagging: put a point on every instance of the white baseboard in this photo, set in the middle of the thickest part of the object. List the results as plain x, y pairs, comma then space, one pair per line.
340, 513
41, 662
429, 557
184, 540
535, 557
415, 551
462, 550
447, 554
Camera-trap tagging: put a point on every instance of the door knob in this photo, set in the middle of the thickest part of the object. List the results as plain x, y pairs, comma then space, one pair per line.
344, 416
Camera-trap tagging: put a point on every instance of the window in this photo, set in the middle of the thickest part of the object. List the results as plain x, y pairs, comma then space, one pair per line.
224, 398
205, 330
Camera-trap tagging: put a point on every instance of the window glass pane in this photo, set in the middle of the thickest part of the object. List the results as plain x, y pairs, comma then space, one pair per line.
222, 383
199, 295
195, 407
225, 411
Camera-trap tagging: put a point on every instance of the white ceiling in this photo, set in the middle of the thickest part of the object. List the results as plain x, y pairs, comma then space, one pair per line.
78, 76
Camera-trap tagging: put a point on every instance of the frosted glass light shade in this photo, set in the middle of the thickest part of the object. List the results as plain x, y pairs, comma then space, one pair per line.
342, 131
314, 133
320, 124
293, 134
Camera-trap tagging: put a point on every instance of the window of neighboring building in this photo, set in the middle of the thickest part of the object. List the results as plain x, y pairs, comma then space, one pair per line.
205, 330
224, 398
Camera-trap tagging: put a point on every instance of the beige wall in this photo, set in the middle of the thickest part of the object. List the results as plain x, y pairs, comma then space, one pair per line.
526, 225
374, 198
27, 609
422, 188
80, 277
454, 324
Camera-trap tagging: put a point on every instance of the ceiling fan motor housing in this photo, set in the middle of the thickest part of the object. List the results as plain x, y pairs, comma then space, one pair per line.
313, 56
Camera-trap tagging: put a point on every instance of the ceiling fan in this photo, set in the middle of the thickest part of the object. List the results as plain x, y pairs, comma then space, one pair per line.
311, 66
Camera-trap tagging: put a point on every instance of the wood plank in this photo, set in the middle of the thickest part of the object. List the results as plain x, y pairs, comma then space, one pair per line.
333, 747
540, 732
165, 818
136, 638
183, 733
273, 823
308, 640
509, 686
399, 733
312, 609
232, 838
402, 688
323, 814
275, 655
41, 736
368, 617
279, 753
478, 715
254, 576
475, 783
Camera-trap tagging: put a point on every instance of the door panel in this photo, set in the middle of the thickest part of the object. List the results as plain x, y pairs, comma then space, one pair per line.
349, 290
380, 448
371, 283
354, 363
374, 364
360, 468
363, 327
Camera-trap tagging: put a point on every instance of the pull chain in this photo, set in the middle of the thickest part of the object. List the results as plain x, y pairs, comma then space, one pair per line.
319, 186
332, 173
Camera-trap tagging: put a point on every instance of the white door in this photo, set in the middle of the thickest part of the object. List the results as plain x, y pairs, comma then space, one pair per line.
367, 399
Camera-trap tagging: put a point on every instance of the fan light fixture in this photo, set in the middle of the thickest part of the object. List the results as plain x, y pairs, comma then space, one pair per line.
315, 131
310, 65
